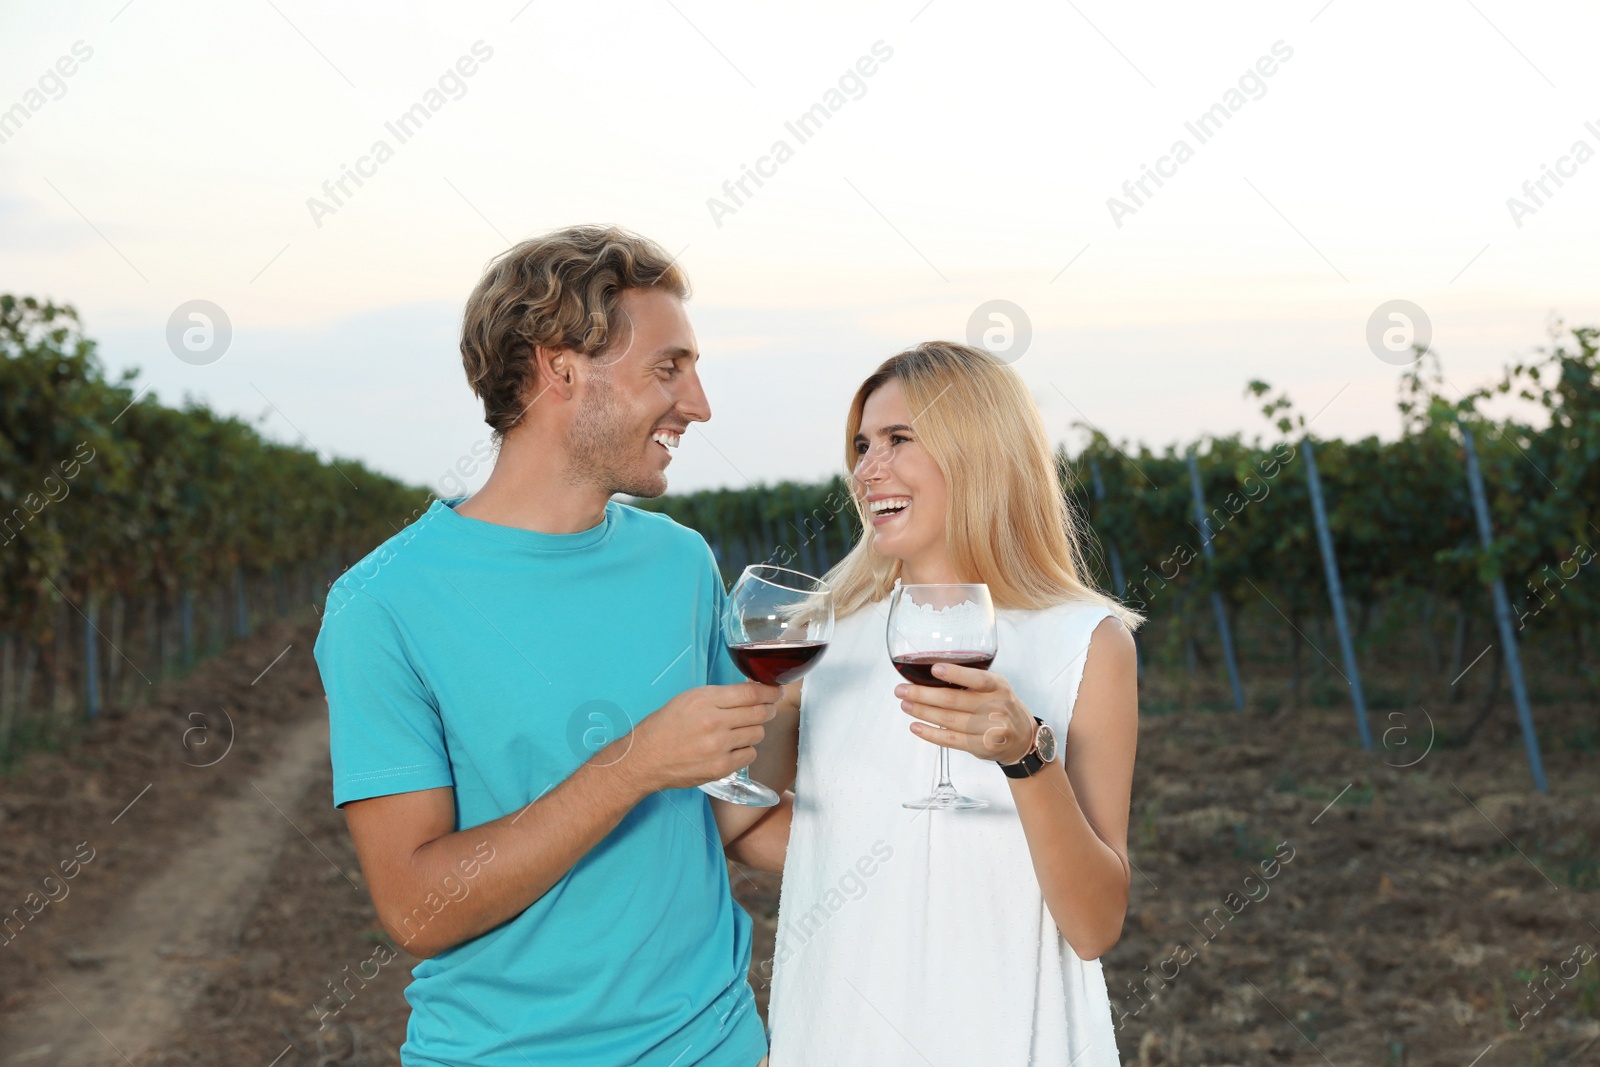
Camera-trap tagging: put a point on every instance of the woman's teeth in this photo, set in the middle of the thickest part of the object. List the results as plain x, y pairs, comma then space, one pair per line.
890, 505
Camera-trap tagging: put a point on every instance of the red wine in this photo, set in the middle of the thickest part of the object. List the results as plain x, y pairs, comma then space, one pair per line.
918, 667
776, 662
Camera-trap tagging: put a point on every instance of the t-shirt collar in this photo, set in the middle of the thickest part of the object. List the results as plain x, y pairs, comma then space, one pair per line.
527, 540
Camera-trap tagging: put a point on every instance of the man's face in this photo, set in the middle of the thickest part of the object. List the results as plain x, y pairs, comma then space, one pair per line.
642, 391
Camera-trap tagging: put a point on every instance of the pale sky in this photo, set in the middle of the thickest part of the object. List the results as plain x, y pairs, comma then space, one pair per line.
974, 163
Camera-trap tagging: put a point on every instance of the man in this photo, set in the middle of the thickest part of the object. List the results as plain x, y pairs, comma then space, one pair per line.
517, 687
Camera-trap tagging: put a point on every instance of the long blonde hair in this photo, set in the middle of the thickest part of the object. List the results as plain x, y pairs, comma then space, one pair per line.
1007, 522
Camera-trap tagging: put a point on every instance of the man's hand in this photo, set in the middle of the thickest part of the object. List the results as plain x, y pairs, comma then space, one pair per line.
699, 735
407, 849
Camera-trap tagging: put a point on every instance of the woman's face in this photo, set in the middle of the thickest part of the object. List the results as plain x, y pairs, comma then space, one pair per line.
903, 486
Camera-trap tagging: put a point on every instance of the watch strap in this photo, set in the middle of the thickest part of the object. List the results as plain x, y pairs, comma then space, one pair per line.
1032, 762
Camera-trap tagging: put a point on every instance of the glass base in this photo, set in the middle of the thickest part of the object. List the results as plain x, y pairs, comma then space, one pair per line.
945, 798
738, 789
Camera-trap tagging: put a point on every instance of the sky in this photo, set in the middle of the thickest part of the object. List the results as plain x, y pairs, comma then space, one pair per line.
159, 152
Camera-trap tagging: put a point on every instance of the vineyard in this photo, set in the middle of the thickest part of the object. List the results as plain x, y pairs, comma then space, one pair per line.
1219, 546
137, 538
1428, 585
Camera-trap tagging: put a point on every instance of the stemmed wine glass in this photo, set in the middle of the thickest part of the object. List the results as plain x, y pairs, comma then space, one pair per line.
931, 624
777, 624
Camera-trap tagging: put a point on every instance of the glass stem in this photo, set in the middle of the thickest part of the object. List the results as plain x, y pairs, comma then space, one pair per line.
944, 769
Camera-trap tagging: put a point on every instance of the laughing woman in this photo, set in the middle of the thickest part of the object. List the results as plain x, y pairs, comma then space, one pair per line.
954, 937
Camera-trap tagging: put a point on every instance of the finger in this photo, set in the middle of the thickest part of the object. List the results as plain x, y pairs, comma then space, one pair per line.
751, 714
742, 694
745, 736
950, 720
937, 697
943, 738
967, 677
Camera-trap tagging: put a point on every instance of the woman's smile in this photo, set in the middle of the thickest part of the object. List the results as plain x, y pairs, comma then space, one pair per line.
887, 509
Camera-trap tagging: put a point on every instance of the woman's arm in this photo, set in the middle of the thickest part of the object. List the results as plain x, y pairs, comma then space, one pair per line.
1075, 816
766, 844
1074, 811
778, 754
775, 764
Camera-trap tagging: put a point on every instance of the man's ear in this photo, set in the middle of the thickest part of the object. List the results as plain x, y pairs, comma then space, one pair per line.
555, 373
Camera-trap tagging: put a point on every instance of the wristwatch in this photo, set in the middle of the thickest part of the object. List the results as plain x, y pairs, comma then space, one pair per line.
1042, 752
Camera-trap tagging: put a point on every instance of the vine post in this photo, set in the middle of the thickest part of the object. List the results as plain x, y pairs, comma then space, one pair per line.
1330, 566
1502, 614
1217, 606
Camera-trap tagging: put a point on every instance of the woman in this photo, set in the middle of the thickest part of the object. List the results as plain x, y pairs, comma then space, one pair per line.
955, 937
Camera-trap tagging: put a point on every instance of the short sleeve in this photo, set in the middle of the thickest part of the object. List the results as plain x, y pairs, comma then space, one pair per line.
384, 728
720, 668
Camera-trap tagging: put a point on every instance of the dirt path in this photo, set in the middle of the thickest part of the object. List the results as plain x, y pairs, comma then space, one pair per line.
153, 954
223, 912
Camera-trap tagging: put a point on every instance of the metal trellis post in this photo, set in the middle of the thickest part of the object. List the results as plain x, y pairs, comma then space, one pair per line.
1330, 567
1217, 606
1502, 617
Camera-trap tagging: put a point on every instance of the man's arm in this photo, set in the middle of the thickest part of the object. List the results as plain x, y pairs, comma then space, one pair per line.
409, 849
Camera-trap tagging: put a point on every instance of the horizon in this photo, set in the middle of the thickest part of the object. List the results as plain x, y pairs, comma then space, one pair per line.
866, 187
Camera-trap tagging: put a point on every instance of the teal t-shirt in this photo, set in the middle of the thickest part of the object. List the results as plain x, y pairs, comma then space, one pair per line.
496, 660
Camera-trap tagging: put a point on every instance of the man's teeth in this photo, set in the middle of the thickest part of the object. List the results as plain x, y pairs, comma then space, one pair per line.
670, 440
890, 504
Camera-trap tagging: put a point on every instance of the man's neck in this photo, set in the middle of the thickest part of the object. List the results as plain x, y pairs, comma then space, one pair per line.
530, 491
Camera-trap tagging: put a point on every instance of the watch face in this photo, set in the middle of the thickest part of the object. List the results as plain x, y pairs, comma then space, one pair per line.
1045, 740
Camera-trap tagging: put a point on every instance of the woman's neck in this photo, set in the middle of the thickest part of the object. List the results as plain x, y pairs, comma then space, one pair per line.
929, 570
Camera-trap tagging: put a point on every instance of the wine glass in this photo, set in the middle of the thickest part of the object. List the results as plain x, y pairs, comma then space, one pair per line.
777, 624
931, 624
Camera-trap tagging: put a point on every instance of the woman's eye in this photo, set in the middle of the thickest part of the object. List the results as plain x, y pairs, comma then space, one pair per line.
898, 439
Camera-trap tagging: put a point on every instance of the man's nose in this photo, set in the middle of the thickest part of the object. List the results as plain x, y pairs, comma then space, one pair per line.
692, 403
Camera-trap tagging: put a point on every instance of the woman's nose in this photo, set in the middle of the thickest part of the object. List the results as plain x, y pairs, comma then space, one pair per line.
871, 464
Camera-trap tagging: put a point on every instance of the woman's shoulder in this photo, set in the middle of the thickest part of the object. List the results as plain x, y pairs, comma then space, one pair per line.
1065, 627
1077, 611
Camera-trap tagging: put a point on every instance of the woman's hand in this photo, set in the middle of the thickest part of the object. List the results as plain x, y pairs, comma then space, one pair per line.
984, 718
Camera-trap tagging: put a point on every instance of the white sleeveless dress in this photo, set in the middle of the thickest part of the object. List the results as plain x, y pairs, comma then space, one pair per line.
921, 937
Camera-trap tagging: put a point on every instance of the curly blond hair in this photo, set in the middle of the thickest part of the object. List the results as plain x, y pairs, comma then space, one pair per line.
562, 289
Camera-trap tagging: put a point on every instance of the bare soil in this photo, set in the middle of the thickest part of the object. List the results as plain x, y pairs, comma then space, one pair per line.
223, 914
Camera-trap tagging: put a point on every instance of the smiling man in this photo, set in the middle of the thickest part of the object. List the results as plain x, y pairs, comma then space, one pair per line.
519, 699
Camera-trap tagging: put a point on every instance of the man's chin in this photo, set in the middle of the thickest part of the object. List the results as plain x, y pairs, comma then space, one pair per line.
644, 486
